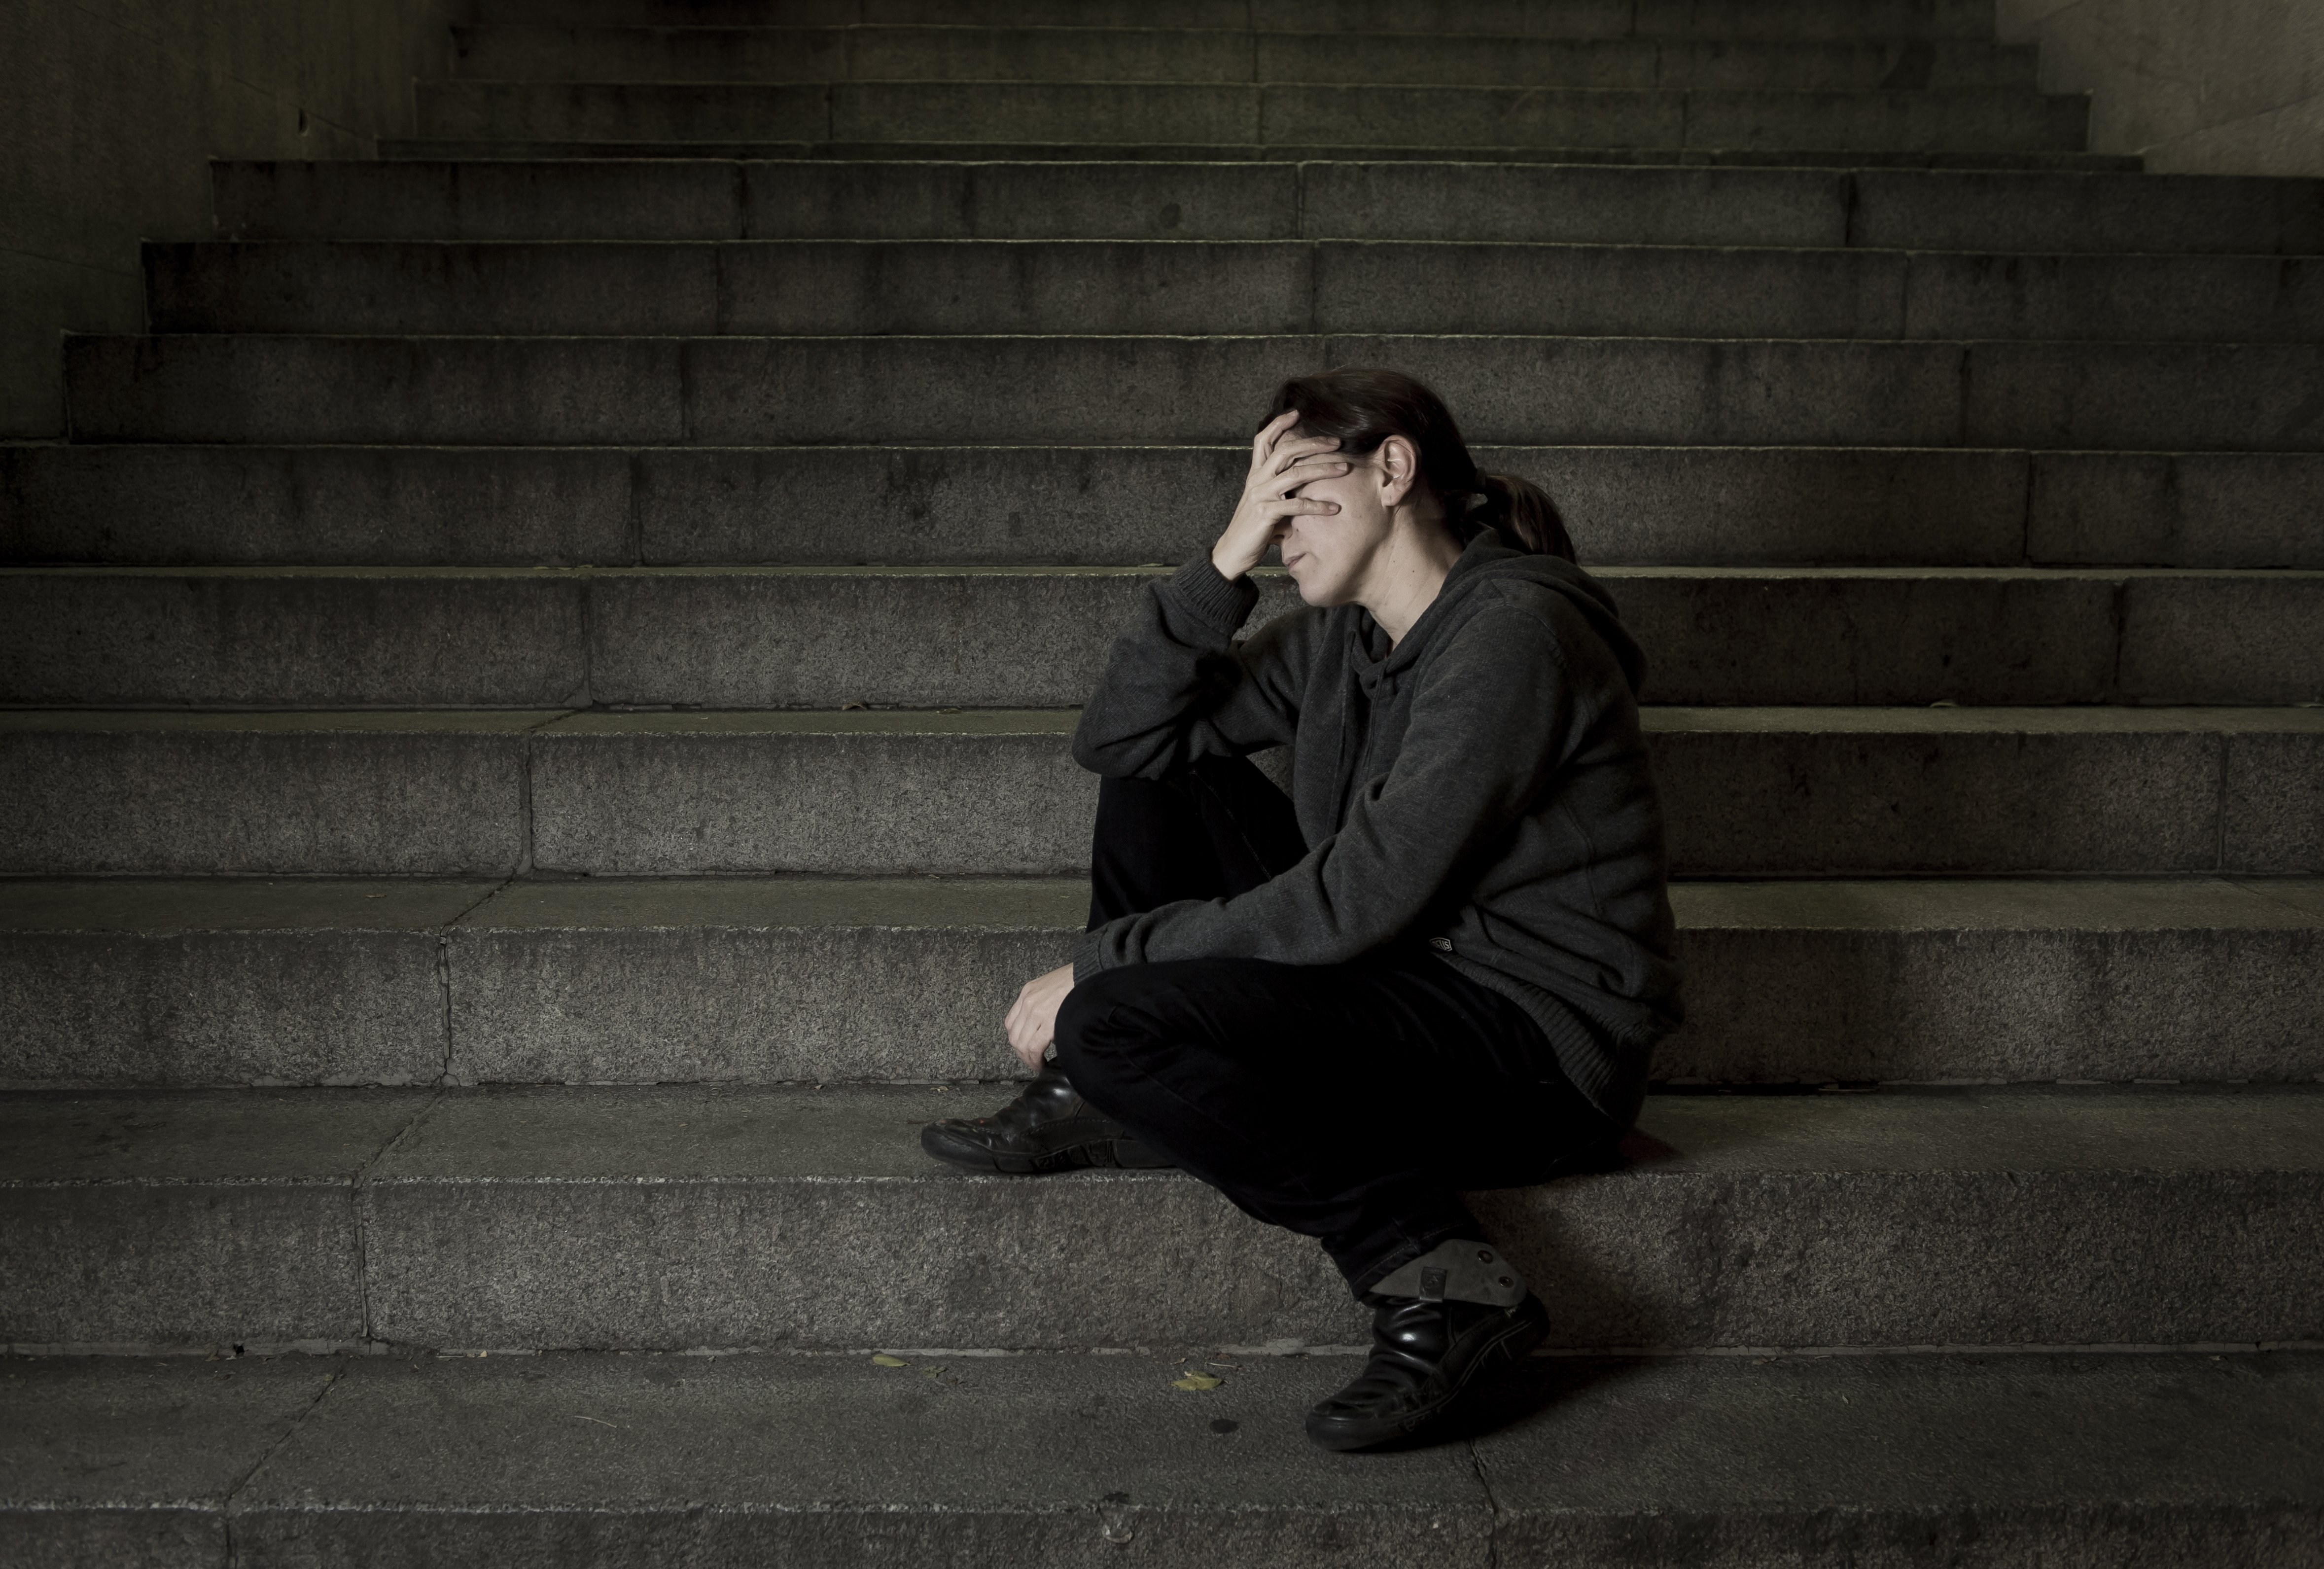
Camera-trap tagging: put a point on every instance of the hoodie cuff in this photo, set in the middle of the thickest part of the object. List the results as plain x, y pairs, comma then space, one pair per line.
1199, 588
1090, 957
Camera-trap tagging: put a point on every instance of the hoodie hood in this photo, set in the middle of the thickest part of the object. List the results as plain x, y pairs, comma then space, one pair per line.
1487, 562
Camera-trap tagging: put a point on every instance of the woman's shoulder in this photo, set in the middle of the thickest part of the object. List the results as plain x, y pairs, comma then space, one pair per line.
1518, 605
1549, 609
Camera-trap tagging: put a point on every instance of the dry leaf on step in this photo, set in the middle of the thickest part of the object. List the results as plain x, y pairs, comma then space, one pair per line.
1196, 1382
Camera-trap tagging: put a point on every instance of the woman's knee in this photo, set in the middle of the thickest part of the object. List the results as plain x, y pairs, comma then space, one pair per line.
1123, 1016
1088, 1020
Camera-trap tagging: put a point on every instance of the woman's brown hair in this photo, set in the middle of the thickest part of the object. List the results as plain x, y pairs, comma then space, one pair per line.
1363, 406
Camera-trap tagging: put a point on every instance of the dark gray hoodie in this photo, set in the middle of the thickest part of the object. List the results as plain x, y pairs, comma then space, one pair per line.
1482, 786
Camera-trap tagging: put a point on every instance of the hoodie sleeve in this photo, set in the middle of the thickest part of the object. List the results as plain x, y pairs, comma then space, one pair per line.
1493, 721
1177, 687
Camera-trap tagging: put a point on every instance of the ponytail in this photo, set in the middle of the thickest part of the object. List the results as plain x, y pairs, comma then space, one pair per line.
1523, 513
1363, 407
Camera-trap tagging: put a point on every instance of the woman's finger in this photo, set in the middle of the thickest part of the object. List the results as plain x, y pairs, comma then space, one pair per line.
1299, 451
1285, 483
1263, 442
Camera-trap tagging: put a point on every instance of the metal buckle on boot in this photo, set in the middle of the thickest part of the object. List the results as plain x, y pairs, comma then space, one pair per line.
1464, 1270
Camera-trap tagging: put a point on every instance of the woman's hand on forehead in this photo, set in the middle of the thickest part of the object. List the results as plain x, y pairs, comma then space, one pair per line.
1280, 463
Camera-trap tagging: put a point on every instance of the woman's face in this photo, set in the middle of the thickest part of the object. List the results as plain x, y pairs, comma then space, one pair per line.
1329, 554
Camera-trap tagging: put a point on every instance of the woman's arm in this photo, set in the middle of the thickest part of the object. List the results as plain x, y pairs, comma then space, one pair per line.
1177, 686
1497, 715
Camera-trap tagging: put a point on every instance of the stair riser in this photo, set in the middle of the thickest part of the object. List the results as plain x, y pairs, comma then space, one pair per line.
1674, 1260
673, 1001
446, 804
1714, 19
755, 54
1947, 1258
1286, 287
1977, 121
630, 800
677, 201
423, 1462
748, 149
1120, 506
723, 392
2190, 1460
925, 641
1435, 154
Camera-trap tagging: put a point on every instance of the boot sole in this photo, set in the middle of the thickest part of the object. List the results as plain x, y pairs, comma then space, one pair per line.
1511, 1345
945, 1145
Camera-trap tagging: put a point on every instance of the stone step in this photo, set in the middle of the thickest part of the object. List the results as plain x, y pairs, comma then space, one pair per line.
1775, 19
544, 52
1896, 209
1120, 506
528, 149
882, 287
321, 637
1937, 790
246, 981
1726, 1463
1296, 115
1028, 390
677, 1217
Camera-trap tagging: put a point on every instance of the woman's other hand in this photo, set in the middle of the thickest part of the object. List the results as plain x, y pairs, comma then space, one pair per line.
1279, 465
1033, 1017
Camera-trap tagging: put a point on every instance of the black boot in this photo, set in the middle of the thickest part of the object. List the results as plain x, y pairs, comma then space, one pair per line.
1429, 1352
1047, 1128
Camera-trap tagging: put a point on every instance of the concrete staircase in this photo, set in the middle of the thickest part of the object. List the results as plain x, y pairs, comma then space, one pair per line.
536, 702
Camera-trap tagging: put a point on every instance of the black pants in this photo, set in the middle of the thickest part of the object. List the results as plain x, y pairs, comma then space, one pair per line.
1349, 1103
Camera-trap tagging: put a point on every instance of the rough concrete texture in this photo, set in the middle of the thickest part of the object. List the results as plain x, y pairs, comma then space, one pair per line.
2235, 86
130, 1462
653, 793
225, 981
758, 980
1974, 1217
348, 505
438, 148
1716, 1461
149, 792
1884, 637
1747, 791
2003, 979
2272, 807
1843, 792
789, 638
1609, 390
1215, 286
2184, 509
2184, 636
1897, 789
676, 199
189, 1219
1299, 115
723, 1216
111, 108
1718, 19
1913, 1460
223, 1007
1697, 506
750, 979
293, 637
645, 1459
537, 53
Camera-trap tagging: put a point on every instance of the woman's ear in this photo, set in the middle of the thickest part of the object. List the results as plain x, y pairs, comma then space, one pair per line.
1399, 469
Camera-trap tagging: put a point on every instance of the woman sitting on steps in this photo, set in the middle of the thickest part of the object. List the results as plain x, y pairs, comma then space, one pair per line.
1442, 964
